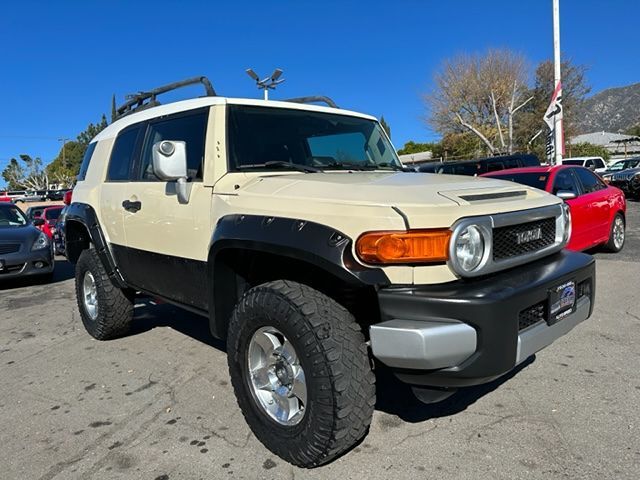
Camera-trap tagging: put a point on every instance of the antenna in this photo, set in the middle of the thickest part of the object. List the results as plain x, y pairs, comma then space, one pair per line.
268, 83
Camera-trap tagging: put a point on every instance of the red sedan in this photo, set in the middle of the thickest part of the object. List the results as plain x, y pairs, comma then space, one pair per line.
50, 216
597, 209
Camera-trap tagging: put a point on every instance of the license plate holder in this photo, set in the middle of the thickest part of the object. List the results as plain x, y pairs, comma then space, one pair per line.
562, 301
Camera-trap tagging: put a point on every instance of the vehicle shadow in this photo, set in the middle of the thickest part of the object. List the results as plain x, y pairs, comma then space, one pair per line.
63, 271
150, 313
396, 398
393, 396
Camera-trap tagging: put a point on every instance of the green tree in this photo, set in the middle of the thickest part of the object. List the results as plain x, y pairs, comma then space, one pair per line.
574, 91
65, 166
413, 147
113, 108
588, 150
386, 126
635, 130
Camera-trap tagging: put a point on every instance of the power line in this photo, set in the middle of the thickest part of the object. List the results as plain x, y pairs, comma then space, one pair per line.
29, 137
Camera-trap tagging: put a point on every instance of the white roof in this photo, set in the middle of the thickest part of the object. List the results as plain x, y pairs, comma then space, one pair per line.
600, 138
194, 103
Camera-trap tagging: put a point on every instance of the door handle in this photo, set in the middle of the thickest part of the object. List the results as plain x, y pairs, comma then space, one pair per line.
132, 207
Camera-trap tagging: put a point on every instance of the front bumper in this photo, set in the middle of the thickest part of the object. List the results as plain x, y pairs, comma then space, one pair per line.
471, 332
23, 264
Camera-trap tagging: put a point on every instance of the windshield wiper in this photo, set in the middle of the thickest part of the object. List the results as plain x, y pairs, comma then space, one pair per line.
396, 167
282, 164
349, 166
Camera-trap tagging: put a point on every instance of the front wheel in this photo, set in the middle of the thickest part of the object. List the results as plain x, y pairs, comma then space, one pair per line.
616, 234
300, 371
106, 310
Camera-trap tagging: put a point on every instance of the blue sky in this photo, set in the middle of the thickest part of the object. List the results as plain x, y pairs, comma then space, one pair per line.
60, 62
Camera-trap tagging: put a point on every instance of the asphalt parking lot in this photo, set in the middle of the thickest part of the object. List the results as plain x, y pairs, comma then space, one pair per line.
158, 404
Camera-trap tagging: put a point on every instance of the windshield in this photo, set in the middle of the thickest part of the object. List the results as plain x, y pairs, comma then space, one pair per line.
535, 180
278, 136
11, 216
624, 165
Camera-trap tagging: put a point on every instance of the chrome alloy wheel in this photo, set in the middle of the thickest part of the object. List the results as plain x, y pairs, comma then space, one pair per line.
618, 232
276, 377
90, 295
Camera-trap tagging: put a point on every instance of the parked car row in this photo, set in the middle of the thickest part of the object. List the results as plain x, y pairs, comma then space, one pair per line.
33, 195
29, 241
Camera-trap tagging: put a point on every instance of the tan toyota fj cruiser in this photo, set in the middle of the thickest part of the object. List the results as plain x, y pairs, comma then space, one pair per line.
297, 232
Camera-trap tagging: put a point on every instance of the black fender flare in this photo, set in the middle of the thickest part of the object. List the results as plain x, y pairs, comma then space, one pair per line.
85, 215
310, 242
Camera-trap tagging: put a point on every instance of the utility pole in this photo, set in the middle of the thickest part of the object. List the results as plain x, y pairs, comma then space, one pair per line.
64, 141
558, 131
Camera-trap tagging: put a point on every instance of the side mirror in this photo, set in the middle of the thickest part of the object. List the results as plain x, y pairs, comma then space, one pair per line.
170, 164
38, 222
566, 194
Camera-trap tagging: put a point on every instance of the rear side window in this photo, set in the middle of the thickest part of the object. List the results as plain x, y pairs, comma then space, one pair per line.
191, 129
122, 155
84, 166
599, 163
590, 181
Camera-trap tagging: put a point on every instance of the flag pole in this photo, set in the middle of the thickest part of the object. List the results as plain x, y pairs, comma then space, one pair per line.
558, 131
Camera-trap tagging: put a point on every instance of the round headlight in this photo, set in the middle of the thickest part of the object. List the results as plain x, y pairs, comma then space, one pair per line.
469, 248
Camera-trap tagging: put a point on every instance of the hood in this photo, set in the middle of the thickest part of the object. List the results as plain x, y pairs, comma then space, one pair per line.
27, 233
623, 174
389, 189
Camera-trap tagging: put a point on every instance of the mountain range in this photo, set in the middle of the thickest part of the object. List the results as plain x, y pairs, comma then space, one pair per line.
611, 110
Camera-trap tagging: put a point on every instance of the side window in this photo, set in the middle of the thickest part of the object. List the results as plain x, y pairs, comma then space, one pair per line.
589, 163
590, 181
599, 163
512, 163
190, 129
495, 166
84, 166
122, 155
564, 181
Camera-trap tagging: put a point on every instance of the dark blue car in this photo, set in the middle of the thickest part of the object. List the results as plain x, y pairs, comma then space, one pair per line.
24, 250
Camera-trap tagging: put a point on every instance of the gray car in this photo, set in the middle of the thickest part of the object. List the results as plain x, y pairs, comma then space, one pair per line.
24, 250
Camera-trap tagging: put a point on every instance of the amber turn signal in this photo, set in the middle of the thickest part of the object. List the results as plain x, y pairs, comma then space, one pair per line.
414, 246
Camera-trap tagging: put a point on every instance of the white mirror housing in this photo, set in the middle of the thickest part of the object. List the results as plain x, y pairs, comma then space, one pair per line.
170, 159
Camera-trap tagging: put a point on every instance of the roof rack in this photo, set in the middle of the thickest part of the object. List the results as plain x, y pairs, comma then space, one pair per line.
314, 99
136, 102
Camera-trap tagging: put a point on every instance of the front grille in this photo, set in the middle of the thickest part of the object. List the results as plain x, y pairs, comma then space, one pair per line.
505, 239
9, 248
530, 316
11, 268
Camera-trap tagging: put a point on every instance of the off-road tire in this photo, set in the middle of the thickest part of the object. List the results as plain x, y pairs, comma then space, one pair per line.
610, 246
332, 350
115, 306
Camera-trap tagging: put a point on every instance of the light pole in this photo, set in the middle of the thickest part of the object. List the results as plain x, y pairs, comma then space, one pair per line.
268, 83
558, 132
64, 141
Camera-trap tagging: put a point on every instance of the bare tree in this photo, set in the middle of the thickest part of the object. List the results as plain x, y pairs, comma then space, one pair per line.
480, 94
26, 173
